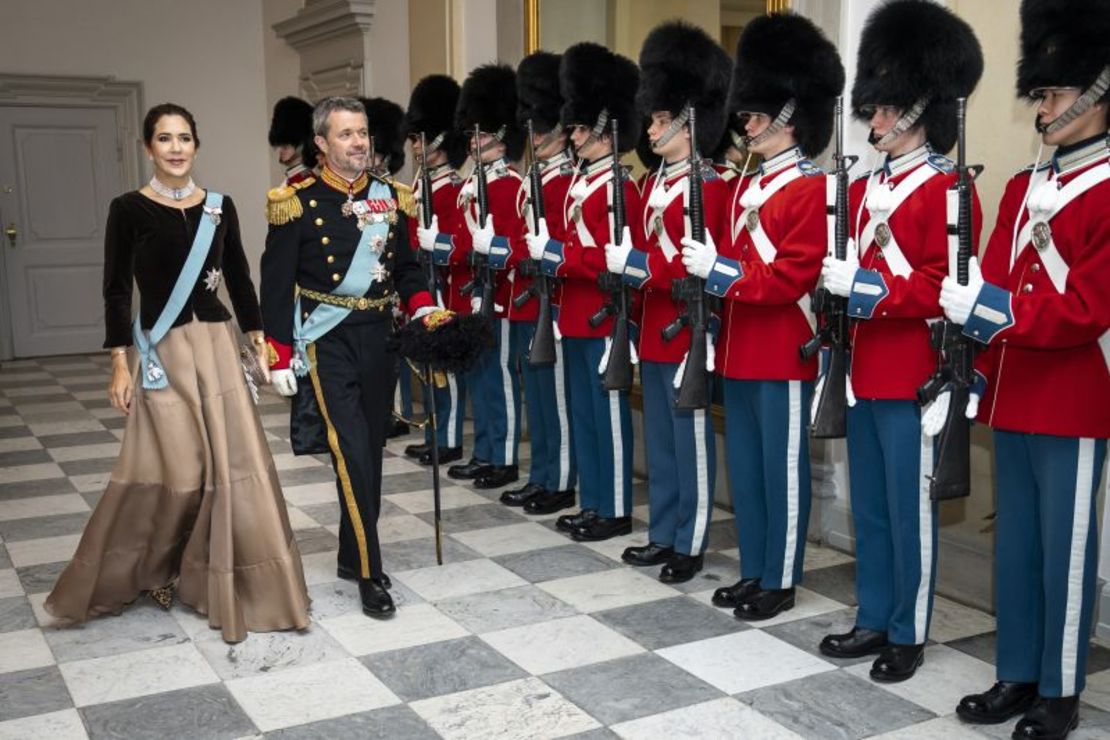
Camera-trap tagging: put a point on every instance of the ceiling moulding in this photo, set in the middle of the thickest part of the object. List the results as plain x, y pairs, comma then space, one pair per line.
326, 20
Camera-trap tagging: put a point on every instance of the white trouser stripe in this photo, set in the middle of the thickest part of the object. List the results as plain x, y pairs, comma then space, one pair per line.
618, 452
925, 536
793, 457
453, 392
701, 461
564, 426
1080, 524
507, 391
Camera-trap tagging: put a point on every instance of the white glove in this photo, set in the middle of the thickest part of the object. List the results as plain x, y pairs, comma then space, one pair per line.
710, 356
398, 313
698, 257
475, 304
427, 237
422, 312
932, 419
284, 382
616, 255
838, 275
538, 241
482, 237
958, 300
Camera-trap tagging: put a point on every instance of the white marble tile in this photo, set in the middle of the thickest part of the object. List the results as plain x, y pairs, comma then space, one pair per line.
319, 567
730, 662
441, 582
806, 604
952, 621
24, 649
613, 547
45, 428
393, 465
85, 452
91, 482
19, 444
138, 673
10, 420
404, 527
267, 653
9, 583
23, 508
510, 538
450, 497
44, 619
276, 420
945, 677
818, 556
1097, 693
24, 473
418, 624
523, 708
720, 718
607, 589
108, 413
300, 520
561, 643
949, 728
310, 694
289, 461
117, 433
311, 493
45, 550
63, 725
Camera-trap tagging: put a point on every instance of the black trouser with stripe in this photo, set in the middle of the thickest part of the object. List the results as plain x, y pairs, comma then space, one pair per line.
354, 374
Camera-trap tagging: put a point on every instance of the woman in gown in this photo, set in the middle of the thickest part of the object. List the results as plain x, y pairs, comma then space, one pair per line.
194, 503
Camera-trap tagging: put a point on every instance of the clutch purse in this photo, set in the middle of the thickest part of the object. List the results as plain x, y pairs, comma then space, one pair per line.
252, 371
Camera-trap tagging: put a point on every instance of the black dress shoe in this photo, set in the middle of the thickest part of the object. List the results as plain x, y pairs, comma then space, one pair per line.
446, 455
376, 601
350, 574
733, 596
1049, 719
549, 502
417, 450
764, 604
649, 554
469, 470
397, 428
521, 496
897, 662
681, 568
997, 704
854, 644
497, 476
570, 522
599, 529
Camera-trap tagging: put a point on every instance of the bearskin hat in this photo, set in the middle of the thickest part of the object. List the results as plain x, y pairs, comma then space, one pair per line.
915, 49
785, 56
384, 118
1064, 43
592, 79
445, 341
432, 112
291, 124
537, 91
488, 100
680, 64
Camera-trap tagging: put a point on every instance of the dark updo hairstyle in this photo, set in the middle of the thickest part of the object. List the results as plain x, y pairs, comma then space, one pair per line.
167, 109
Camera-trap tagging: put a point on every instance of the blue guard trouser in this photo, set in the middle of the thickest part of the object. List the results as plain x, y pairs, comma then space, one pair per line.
681, 463
545, 396
889, 461
768, 464
495, 392
1046, 558
601, 431
450, 412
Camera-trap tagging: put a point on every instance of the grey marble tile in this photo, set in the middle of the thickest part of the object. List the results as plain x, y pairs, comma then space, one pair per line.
442, 668
336, 598
17, 431
315, 539
326, 514
114, 422
202, 712
16, 614
92, 499
482, 516
139, 626
301, 476
49, 397
51, 441
390, 723
666, 622
537, 566
41, 487
37, 691
630, 688
717, 571
978, 646
421, 553
5, 560
511, 607
39, 578
807, 634
837, 582
33, 528
85, 467
601, 733
405, 482
834, 705
24, 457
722, 535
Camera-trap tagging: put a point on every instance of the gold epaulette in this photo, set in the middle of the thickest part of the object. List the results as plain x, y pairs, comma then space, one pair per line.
282, 203
406, 198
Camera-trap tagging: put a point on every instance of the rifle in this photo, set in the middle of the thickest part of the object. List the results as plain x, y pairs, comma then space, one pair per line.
693, 389
951, 476
830, 419
483, 275
618, 368
426, 213
542, 349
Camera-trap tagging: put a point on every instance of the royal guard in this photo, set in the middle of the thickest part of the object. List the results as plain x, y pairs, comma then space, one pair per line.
729, 157
597, 87
430, 128
291, 136
680, 444
1041, 309
551, 477
784, 85
648, 158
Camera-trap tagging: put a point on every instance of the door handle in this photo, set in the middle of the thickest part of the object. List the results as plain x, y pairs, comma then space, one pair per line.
12, 233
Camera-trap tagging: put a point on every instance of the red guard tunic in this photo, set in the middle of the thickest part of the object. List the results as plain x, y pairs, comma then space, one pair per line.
445, 192
556, 176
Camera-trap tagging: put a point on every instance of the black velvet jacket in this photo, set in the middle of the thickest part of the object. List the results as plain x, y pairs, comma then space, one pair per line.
147, 242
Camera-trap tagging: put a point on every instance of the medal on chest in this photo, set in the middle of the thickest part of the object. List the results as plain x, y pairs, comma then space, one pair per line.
377, 211
882, 234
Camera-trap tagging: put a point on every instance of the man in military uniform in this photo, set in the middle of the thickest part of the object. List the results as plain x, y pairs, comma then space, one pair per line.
1041, 305
337, 256
291, 136
906, 88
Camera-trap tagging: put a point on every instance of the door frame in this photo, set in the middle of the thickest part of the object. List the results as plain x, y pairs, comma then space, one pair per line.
60, 91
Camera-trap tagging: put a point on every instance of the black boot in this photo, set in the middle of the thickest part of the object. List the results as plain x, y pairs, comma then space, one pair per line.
681, 568
764, 604
649, 554
1049, 719
521, 496
470, 470
549, 502
897, 662
417, 450
446, 455
570, 522
397, 428
497, 476
733, 596
854, 644
600, 529
376, 601
997, 704
350, 574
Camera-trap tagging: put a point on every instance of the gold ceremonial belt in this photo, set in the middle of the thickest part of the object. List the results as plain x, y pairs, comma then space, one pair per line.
350, 302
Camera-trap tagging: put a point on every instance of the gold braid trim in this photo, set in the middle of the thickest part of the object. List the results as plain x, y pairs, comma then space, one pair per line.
282, 203
406, 198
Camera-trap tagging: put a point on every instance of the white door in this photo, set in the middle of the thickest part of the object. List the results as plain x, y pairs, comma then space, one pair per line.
59, 170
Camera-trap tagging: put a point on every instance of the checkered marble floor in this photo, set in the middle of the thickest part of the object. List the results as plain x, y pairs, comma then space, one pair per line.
521, 633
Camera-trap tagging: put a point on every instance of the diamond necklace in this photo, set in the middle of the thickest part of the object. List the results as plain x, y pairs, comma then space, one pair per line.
173, 193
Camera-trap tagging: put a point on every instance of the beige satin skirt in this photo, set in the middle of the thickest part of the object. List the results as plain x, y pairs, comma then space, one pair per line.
193, 498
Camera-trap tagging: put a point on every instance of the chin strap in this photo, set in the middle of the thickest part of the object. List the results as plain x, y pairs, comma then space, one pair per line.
1081, 105
676, 125
901, 126
777, 125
